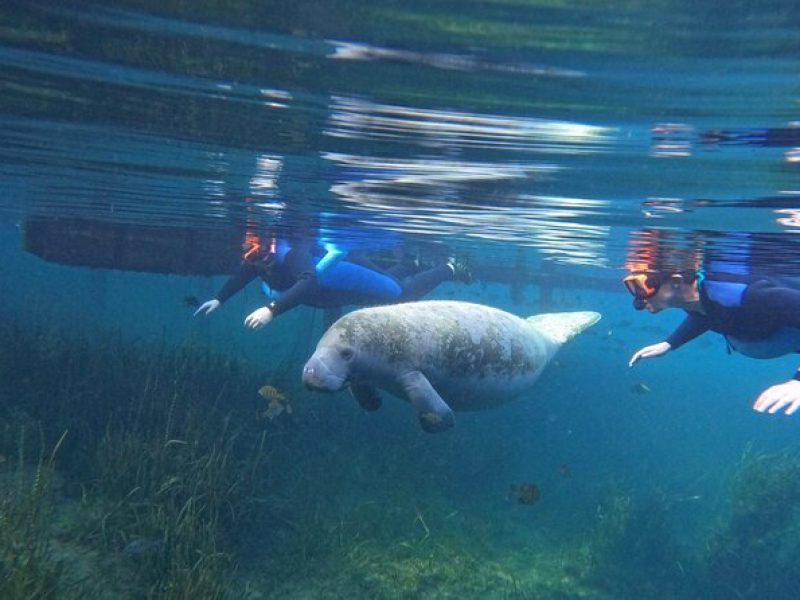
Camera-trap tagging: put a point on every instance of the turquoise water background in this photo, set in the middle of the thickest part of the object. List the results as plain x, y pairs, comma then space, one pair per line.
503, 131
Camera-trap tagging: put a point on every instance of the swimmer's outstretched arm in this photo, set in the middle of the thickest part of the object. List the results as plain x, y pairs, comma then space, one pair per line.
298, 266
781, 397
650, 351
244, 275
691, 327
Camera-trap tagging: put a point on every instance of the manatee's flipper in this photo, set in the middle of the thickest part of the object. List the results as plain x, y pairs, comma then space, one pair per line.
366, 395
434, 414
562, 327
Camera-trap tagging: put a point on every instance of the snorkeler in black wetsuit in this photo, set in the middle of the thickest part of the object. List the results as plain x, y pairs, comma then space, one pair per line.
758, 316
302, 275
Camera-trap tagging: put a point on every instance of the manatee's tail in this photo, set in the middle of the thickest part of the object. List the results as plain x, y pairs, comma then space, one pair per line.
562, 327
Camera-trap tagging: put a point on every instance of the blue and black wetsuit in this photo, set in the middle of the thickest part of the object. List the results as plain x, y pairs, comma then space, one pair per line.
759, 316
293, 272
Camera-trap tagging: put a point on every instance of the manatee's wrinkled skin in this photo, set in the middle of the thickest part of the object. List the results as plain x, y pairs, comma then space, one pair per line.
474, 356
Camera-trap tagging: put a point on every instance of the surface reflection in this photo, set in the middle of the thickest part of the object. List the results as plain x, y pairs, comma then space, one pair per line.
717, 252
366, 120
443, 199
441, 60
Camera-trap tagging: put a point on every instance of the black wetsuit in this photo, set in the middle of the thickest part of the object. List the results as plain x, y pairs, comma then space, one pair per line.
749, 309
296, 279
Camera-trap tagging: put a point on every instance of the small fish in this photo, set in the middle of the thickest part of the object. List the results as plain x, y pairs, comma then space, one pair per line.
2, 459
191, 301
525, 493
641, 388
270, 392
565, 471
277, 403
275, 409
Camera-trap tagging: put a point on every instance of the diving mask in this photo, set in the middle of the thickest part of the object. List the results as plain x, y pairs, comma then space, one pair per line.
641, 286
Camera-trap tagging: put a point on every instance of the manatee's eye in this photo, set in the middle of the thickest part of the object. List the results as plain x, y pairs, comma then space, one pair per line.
346, 353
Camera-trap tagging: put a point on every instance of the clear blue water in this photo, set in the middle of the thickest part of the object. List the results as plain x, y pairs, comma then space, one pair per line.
533, 137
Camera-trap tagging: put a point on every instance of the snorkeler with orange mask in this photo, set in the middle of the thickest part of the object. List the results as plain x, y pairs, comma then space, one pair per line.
758, 316
302, 271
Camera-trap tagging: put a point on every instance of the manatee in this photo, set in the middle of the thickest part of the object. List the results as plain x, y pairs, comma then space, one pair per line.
441, 356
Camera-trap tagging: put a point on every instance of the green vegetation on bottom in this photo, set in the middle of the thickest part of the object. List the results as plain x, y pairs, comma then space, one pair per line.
131, 471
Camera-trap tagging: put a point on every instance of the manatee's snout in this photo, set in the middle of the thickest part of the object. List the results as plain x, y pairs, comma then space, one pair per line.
319, 377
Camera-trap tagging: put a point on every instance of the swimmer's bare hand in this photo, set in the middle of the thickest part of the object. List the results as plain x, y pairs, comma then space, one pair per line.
651, 351
783, 396
258, 318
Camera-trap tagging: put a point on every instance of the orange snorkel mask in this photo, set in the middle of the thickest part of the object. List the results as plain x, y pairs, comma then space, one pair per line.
641, 286
252, 247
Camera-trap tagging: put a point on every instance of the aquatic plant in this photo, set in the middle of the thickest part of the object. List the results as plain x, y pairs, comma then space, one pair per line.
182, 476
28, 568
754, 555
167, 466
183, 503
631, 551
